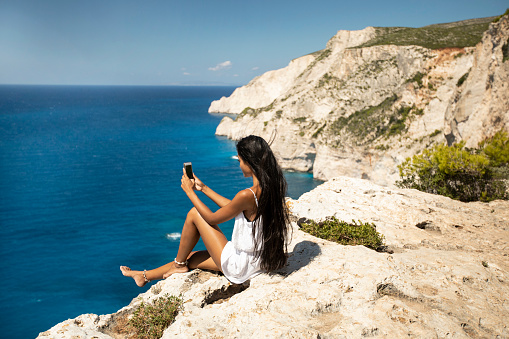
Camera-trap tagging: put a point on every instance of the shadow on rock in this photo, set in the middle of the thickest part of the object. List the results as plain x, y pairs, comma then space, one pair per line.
303, 253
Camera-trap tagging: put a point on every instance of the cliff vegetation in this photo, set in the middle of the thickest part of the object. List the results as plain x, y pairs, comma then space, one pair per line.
459, 34
342, 232
461, 173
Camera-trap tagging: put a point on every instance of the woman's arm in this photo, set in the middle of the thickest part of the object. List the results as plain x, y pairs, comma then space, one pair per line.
215, 197
242, 201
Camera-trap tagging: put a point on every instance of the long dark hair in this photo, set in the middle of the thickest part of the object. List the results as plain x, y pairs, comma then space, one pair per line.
272, 210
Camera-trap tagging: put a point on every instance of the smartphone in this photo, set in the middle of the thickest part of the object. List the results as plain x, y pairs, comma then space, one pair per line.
189, 169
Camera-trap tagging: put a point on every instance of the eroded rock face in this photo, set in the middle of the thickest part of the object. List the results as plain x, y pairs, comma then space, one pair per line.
447, 276
481, 106
263, 89
341, 110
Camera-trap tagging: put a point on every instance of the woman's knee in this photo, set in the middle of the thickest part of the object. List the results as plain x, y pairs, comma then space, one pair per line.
192, 213
194, 216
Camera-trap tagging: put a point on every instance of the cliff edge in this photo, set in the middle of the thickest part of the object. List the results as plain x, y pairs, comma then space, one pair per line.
447, 275
373, 97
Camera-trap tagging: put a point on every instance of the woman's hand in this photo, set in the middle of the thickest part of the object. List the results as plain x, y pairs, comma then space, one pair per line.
186, 183
198, 184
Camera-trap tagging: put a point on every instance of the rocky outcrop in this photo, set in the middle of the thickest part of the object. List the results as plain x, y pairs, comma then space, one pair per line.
481, 106
263, 89
360, 111
447, 275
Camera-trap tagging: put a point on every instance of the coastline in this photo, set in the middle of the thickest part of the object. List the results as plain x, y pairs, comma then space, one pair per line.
445, 275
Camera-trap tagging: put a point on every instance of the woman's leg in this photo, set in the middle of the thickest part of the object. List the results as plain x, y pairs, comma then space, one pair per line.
155, 274
214, 240
194, 227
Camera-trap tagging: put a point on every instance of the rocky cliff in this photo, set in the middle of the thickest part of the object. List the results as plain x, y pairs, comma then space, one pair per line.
361, 106
358, 109
446, 275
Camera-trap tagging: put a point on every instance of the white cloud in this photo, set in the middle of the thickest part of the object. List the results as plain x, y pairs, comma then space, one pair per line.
255, 68
222, 65
235, 75
186, 73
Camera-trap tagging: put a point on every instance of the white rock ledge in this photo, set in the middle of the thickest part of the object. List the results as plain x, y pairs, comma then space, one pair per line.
447, 276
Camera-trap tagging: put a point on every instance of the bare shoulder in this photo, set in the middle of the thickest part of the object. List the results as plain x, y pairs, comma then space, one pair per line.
244, 197
244, 194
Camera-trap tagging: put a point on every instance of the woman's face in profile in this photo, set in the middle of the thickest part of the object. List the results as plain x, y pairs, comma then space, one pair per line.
246, 170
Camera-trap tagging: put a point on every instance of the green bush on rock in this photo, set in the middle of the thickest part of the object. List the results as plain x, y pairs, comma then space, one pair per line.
344, 233
150, 321
496, 149
460, 173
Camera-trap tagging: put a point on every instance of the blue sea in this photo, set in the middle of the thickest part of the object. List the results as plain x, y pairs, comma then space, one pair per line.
89, 181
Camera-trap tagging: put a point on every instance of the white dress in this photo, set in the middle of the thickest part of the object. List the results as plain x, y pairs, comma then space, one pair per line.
238, 261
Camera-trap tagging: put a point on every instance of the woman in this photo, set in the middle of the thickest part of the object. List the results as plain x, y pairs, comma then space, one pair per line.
259, 237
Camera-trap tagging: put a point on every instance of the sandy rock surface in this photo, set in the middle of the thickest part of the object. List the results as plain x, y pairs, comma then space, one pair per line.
446, 276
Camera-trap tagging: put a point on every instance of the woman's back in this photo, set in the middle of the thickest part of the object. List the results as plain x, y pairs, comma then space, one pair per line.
271, 206
240, 260
243, 238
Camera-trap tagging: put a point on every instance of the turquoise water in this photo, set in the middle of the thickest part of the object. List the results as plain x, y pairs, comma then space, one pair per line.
89, 181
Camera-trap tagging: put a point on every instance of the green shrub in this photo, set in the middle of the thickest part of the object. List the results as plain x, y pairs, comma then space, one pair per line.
247, 111
397, 121
497, 19
462, 79
460, 173
417, 78
367, 122
505, 51
419, 111
319, 131
454, 34
373, 122
323, 54
344, 233
496, 149
150, 321
435, 133
382, 147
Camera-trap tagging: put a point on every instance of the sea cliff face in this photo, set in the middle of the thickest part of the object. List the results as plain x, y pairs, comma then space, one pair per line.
446, 275
480, 107
360, 111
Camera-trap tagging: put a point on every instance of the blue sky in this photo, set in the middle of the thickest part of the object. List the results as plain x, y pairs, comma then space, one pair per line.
170, 42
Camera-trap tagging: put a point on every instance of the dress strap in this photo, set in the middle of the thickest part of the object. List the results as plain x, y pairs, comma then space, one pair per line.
256, 199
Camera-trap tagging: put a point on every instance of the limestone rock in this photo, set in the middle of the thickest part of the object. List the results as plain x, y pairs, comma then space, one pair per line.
481, 106
446, 276
263, 89
340, 111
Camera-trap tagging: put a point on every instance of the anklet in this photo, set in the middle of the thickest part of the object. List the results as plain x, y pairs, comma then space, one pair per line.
145, 275
181, 263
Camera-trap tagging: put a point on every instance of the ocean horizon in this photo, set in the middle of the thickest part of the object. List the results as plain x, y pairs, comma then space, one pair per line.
90, 180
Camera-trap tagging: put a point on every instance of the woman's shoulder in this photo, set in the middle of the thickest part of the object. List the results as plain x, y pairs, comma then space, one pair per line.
243, 194
247, 194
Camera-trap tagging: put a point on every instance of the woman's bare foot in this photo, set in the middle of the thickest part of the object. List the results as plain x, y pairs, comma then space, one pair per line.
138, 277
175, 268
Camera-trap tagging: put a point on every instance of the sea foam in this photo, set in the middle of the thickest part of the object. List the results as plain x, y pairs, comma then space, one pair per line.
173, 236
